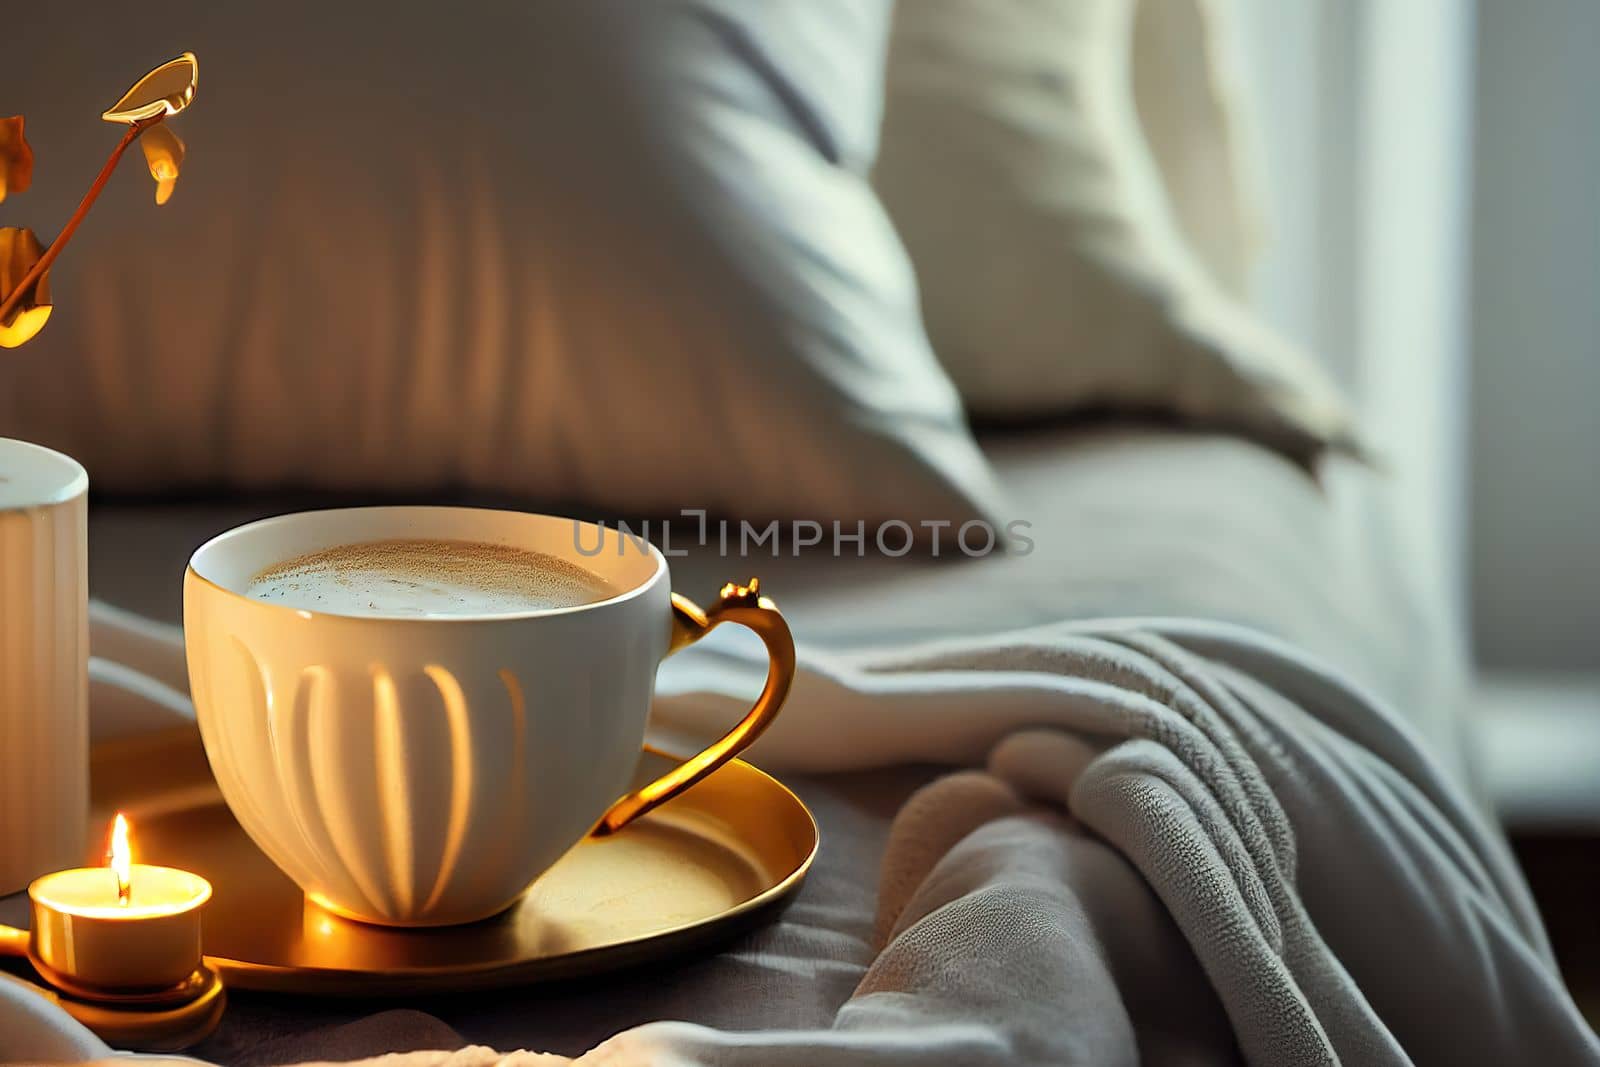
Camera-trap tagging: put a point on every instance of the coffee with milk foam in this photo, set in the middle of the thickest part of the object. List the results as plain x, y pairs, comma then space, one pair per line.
429, 579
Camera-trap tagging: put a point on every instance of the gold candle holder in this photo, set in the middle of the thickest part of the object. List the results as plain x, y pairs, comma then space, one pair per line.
84, 937
127, 927
120, 949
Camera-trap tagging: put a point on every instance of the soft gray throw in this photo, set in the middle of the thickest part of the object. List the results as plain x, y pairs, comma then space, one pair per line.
1345, 901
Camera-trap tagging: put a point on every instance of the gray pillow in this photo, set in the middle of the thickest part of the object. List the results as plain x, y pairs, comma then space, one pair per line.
597, 250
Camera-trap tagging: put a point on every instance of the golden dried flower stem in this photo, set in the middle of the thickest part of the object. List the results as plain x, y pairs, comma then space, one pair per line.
56, 246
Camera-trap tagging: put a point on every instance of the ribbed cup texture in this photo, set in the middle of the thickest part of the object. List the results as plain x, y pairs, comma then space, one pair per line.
409, 792
44, 724
412, 796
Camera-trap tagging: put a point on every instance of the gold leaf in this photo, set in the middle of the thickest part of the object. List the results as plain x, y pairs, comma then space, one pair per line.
16, 158
163, 152
166, 90
19, 251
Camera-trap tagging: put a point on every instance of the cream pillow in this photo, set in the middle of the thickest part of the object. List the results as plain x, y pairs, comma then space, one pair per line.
1187, 91
601, 252
1053, 277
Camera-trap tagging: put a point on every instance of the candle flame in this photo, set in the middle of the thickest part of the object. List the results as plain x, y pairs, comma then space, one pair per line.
121, 857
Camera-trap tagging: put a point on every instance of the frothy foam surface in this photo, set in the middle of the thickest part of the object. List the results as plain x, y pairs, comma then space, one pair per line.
428, 578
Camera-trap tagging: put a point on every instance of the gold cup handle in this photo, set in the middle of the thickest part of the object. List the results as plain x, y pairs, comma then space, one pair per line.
745, 605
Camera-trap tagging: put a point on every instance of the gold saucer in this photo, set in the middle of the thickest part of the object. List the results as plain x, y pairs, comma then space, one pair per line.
721, 858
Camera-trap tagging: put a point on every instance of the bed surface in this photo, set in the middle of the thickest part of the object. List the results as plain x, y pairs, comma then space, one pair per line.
1125, 523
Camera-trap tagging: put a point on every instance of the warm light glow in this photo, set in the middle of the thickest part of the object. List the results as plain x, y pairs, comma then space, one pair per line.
121, 857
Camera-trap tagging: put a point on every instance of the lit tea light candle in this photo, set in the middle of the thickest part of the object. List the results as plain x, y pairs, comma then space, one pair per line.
123, 927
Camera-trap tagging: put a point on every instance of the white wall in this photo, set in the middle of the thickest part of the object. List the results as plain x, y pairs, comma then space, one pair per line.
1296, 57
1362, 113
1413, 154
1400, 142
1535, 554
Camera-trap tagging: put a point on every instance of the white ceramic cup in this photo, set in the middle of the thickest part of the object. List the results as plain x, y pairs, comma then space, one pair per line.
44, 656
422, 771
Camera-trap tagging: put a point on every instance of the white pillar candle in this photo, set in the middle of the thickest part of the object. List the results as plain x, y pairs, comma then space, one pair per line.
44, 653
